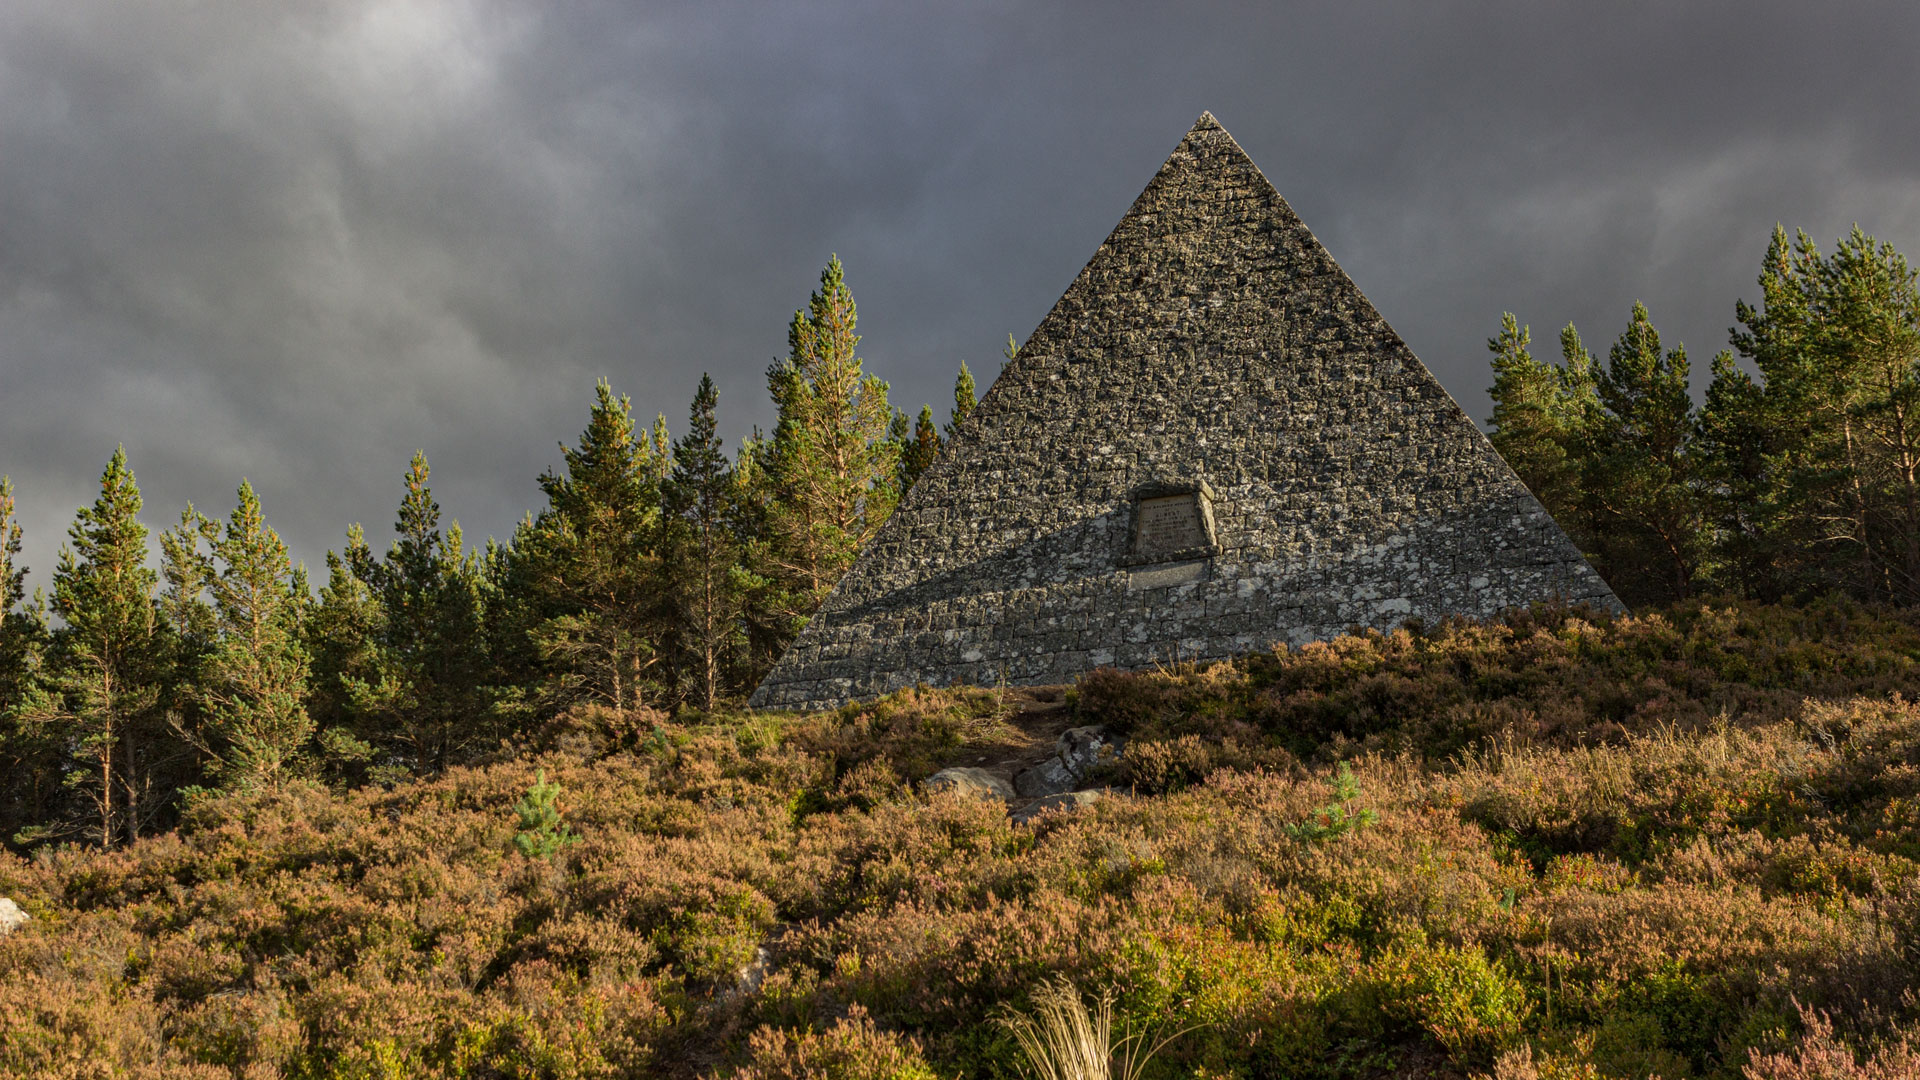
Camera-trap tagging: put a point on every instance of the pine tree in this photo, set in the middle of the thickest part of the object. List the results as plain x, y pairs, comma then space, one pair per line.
1831, 495
831, 468
187, 622
516, 667
706, 579
255, 686
106, 686
1774, 465
13, 574
17, 639
657, 462
919, 450
1648, 511
589, 565
31, 753
428, 697
1533, 425
900, 437
1608, 449
342, 636
1736, 440
186, 568
964, 397
765, 597
1545, 418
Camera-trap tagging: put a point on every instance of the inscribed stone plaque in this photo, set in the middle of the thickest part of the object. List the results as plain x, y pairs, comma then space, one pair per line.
1166, 525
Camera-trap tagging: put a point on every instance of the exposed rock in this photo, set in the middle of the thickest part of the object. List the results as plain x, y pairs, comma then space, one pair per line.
1082, 748
1050, 777
11, 917
1065, 802
1075, 754
972, 783
748, 979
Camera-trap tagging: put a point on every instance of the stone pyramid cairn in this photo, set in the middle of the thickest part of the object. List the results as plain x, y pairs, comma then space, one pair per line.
1212, 444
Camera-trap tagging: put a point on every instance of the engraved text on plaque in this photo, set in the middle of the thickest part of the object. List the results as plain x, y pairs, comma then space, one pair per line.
1168, 524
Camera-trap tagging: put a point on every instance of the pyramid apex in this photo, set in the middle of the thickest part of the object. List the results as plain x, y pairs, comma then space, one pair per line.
1206, 123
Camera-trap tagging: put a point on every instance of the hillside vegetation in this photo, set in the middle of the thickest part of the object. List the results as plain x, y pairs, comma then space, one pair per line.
654, 572
1681, 845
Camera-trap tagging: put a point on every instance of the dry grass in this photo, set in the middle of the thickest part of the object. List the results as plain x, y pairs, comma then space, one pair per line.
1062, 1039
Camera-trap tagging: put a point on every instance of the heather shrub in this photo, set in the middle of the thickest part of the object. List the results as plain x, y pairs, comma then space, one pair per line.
61, 1025
1818, 1054
947, 851
539, 1024
1470, 1005
851, 1049
1598, 848
1157, 765
1523, 1063
1568, 677
909, 732
1189, 695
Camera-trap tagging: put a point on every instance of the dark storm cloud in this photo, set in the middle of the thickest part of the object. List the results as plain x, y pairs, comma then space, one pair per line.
296, 242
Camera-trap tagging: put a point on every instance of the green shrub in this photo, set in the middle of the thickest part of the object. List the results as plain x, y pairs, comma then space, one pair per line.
1335, 819
1470, 1005
542, 833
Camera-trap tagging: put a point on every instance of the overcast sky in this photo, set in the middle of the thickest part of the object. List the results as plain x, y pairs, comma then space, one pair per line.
297, 241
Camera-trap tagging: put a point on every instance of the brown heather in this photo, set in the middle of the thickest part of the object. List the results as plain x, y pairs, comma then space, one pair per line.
1683, 846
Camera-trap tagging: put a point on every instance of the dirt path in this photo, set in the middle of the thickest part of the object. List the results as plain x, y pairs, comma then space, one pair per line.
1027, 732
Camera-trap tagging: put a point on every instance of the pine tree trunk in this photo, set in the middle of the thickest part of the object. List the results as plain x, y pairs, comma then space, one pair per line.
1870, 570
709, 645
106, 799
106, 784
1910, 490
130, 780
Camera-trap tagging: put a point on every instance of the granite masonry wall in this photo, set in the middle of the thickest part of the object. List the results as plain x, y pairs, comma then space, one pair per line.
1212, 444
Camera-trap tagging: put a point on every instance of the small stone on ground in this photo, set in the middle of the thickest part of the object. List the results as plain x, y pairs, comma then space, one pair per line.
971, 783
1066, 803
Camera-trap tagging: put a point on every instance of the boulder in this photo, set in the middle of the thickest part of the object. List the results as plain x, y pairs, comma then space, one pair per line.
11, 917
1065, 803
1050, 777
971, 783
1081, 748
1075, 754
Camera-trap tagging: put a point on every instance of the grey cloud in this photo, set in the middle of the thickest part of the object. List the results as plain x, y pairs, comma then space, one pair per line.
296, 242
